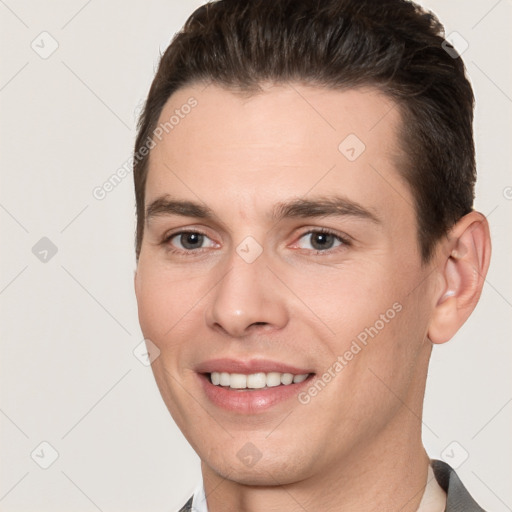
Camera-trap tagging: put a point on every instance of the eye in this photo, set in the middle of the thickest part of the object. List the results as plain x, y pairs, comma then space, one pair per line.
320, 241
190, 240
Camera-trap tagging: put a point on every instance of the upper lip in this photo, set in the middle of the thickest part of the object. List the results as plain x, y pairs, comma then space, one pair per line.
248, 366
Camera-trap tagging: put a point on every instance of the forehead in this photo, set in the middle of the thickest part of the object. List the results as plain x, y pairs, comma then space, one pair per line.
286, 141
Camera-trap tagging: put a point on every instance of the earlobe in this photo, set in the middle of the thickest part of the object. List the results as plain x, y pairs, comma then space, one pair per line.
463, 269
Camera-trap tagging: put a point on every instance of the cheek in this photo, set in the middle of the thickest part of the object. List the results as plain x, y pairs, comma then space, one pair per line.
152, 303
350, 300
169, 305
157, 302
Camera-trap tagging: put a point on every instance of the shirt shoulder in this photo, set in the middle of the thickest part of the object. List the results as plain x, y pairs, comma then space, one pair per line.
458, 498
187, 507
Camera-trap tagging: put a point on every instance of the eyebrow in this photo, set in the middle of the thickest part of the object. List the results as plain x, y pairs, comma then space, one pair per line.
167, 206
337, 206
330, 206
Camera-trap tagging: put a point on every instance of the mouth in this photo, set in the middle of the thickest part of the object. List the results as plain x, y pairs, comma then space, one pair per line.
259, 380
251, 387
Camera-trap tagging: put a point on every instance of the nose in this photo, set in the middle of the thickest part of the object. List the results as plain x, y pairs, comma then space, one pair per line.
248, 298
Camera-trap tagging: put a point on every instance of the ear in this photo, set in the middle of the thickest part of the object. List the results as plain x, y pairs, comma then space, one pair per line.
463, 262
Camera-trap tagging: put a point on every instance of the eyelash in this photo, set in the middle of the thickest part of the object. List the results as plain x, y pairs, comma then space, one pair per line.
167, 239
345, 241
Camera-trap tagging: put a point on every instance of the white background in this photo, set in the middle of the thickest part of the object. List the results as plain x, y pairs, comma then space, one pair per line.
69, 326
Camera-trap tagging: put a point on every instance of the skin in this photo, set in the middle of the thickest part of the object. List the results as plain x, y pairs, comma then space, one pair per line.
357, 444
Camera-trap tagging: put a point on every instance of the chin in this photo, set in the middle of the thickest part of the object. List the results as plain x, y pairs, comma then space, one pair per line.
270, 470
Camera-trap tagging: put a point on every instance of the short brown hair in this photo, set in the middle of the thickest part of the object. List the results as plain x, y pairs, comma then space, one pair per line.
393, 45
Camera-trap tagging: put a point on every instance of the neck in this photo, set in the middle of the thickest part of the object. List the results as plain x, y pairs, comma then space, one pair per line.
390, 473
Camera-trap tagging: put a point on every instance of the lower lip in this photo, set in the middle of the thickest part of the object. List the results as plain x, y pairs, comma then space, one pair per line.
249, 401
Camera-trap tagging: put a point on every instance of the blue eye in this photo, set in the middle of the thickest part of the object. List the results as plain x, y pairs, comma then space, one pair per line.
320, 241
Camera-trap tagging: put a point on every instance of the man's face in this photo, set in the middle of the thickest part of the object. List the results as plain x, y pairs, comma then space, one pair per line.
299, 257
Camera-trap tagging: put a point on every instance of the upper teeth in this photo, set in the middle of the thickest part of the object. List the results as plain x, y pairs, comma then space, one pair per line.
255, 380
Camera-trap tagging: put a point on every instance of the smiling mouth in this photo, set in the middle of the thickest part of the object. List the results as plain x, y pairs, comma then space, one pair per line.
259, 380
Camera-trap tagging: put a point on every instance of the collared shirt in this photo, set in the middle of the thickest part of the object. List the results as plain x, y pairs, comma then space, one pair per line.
434, 497
444, 491
199, 499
